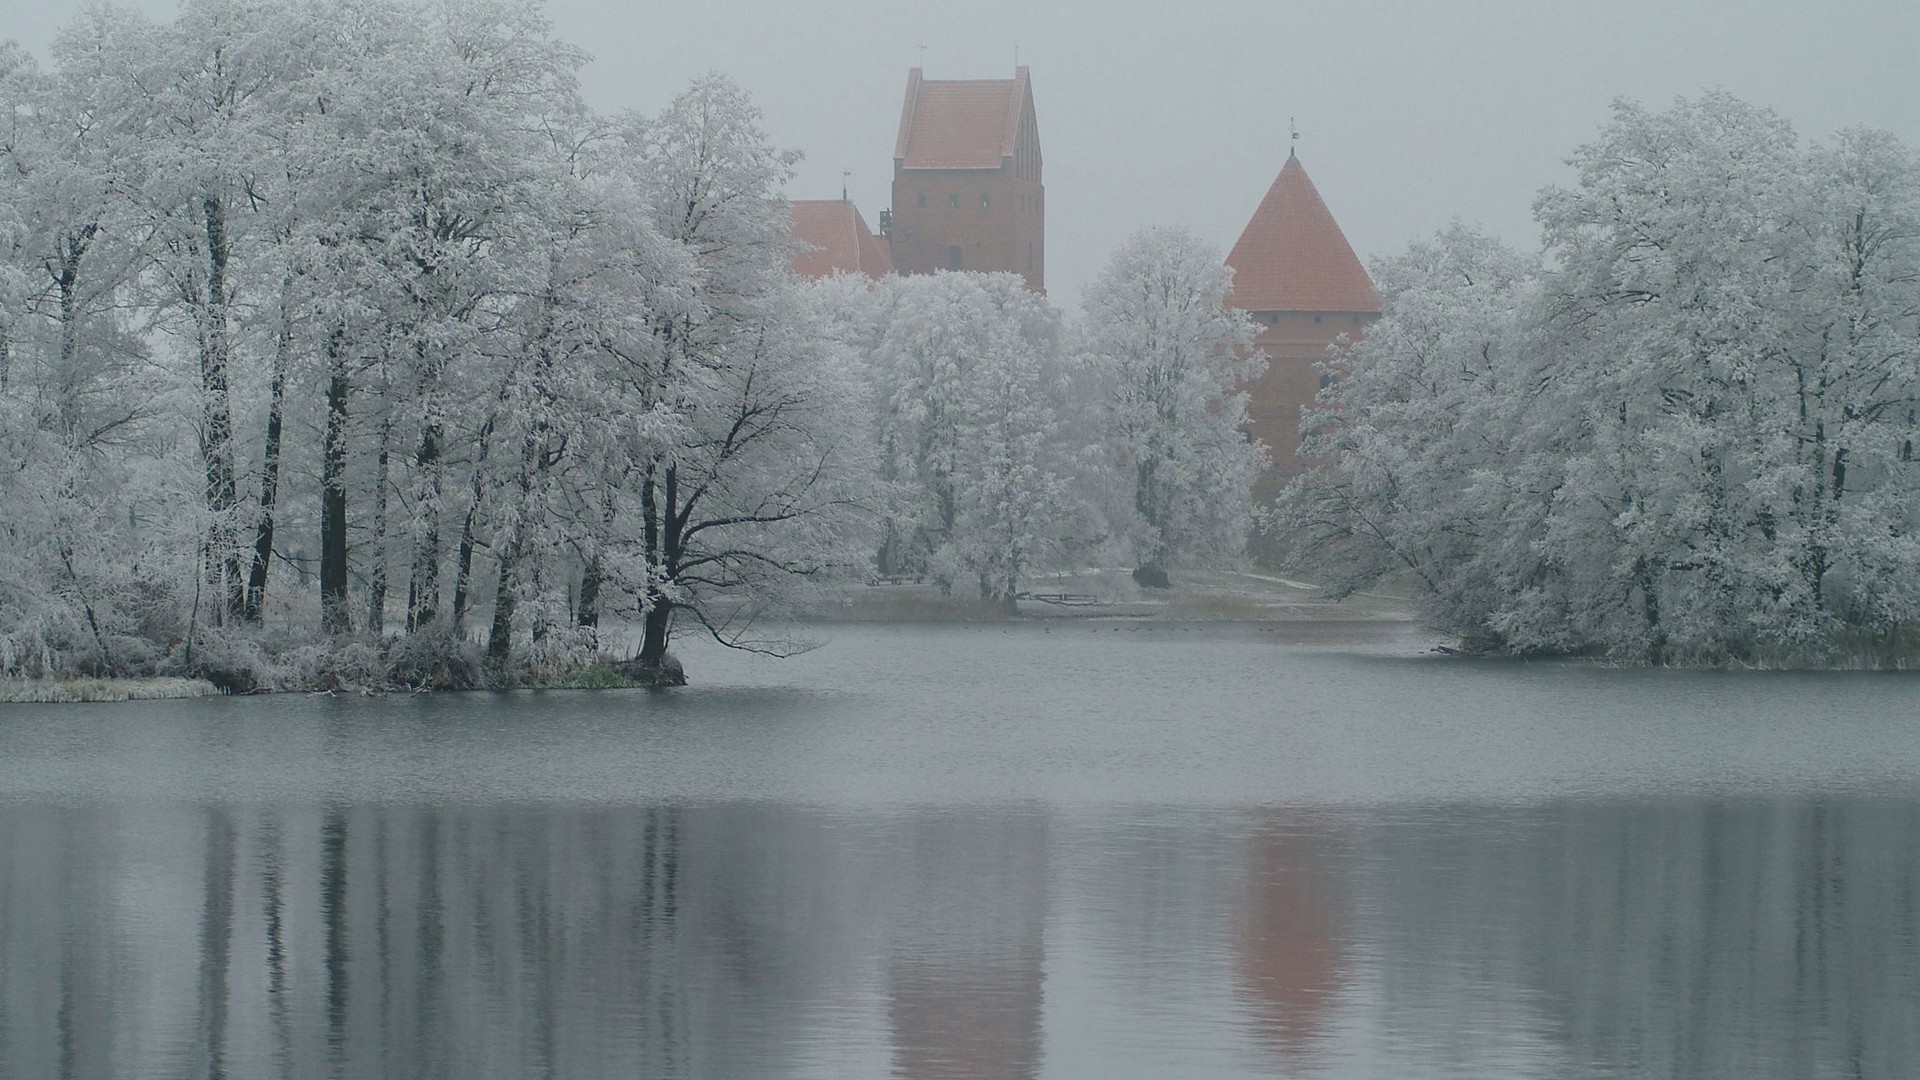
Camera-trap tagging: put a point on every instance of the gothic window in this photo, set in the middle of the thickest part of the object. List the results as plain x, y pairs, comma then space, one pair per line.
953, 257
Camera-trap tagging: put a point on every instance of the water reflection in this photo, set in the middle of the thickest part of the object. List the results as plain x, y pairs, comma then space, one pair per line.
1290, 954
1681, 939
967, 956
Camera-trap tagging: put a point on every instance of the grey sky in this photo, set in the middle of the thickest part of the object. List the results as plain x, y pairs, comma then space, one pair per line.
1411, 112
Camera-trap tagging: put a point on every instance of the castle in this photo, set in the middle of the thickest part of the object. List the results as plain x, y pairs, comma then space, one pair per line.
968, 195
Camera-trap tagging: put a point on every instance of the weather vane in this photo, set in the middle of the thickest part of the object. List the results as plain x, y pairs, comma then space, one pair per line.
845, 174
923, 53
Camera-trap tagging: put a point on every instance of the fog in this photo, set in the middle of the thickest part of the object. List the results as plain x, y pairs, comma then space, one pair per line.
1411, 114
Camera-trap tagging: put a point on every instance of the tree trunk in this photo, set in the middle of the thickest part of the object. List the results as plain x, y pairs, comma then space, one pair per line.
588, 615
1151, 561
269, 475
67, 405
463, 563
217, 415
334, 616
377, 576
593, 575
658, 537
423, 582
656, 628
500, 634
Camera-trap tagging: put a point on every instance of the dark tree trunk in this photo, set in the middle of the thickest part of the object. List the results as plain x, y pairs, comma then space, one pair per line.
658, 536
500, 634
377, 576
423, 583
217, 416
463, 566
588, 614
463, 559
334, 616
269, 476
655, 631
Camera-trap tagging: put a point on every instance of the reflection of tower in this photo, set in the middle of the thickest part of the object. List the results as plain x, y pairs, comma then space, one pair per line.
968, 961
1289, 955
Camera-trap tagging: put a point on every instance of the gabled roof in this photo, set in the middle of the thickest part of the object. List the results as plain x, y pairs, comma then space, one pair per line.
1293, 257
960, 123
836, 238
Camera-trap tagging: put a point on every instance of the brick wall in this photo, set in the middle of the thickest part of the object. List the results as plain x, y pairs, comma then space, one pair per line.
935, 210
1294, 342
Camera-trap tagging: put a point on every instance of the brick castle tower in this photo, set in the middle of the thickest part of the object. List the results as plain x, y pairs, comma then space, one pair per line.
967, 193
1295, 273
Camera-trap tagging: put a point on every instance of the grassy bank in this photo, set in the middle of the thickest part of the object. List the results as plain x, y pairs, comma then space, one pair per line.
62, 691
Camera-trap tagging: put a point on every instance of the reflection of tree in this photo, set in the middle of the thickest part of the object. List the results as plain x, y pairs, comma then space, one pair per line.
216, 939
967, 967
1290, 953
1697, 939
423, 941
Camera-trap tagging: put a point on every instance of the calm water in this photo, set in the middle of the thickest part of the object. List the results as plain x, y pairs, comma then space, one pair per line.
1097, 849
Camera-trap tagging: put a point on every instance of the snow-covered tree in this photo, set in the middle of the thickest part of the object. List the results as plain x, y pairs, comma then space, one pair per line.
972, 422
1170, 355
742, 473
1690, 441
362, 288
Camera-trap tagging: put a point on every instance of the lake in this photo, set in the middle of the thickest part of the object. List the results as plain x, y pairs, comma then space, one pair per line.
1055, 848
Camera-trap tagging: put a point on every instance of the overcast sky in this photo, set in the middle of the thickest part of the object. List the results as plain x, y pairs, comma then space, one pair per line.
1411, 112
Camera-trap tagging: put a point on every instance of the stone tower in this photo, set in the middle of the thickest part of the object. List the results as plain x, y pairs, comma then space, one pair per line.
1295, 273
967, 193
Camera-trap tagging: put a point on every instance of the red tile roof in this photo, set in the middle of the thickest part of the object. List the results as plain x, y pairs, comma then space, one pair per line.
836, 238
1293, 257
960, 123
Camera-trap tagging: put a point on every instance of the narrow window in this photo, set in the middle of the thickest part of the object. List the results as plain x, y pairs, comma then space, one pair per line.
1316, 320
1273, 318
953, 202
983, 202
953, 257
920, 200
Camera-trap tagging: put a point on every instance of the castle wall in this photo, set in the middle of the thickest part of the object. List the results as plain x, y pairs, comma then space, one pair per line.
1294, 341
935, 210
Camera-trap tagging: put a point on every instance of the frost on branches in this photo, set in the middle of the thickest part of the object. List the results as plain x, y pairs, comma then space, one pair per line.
1168, 355
1691, 440
341, 343
978, 441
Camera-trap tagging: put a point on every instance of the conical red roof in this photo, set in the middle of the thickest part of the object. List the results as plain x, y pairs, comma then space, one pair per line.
1293, 257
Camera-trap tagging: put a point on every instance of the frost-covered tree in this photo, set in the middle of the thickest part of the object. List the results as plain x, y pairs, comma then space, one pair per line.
1430, 475
298, 300
973, 424
742, 473
1690, 441
1169, 355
